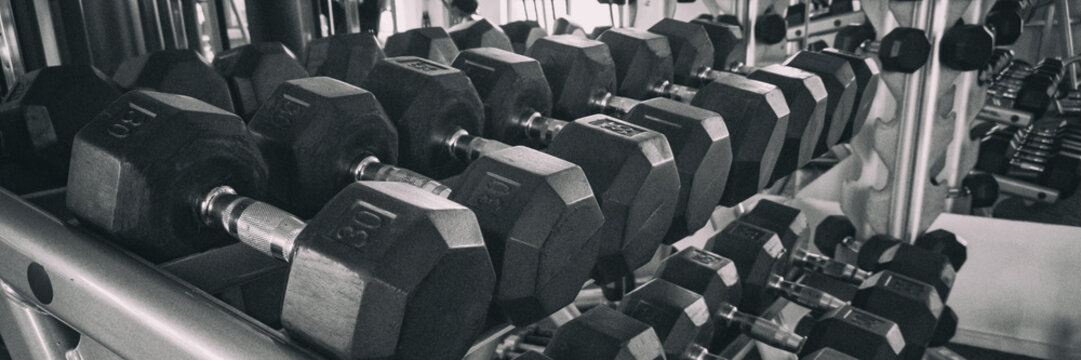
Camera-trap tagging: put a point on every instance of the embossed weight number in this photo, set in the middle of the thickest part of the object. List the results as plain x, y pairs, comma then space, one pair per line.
358, 230
127, 124
493, 195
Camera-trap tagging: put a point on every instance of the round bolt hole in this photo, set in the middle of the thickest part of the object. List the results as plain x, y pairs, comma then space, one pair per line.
40, 283
837, 23
1014, 118
799, 33
1041, 196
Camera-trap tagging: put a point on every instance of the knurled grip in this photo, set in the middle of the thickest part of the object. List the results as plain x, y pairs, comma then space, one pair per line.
265, 228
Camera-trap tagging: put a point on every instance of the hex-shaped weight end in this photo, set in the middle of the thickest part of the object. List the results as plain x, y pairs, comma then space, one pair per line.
254, 71
428, 102
432, 43
381, 268
577, 70
179, 71
138, 167
312, 131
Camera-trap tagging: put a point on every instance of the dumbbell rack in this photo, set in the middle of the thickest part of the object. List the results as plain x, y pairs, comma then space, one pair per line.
135, 310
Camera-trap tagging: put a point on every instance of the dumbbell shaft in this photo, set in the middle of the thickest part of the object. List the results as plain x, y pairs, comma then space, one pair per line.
265, 228
370, 168
829, 267
804, 295
760, 329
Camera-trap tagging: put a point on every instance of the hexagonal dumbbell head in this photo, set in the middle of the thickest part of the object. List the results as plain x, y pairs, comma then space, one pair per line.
602, 334
946, 243
479, 33
381, 268
539, 216
346, 57
510, 85
852, 37
1007, 19
690, 45
770, 28
757, 253
882, 252
703, 151
841, 89
855, 332
254, 71
982, 189
428, 102
806, 95
833, 231
727, 42
679, 316
913, 305
946, 329
966, 47
710, 275
636, 182
312, 131
44, 111
432, 43
785, 221
523, 34
577, 69
757, 129
642, 60
904, 50
181, 71
137, 166
565, 26
867, 74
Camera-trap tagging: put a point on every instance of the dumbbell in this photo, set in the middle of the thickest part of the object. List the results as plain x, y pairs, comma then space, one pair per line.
906, 301
727, 41
582, 77
349, 273
537, 212
913, 305
698, 274
177, 71
348, 57
604, 333
523, 34
903, 49
944, 330
515, 91
432, 43
934, 259
39, 120
253, 71
479, 32
804, 91
967, 47
1038, 89
1007, 19
631, 169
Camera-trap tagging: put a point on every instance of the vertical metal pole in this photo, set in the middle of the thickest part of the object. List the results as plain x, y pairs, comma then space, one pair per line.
1067, 37
910, 119
927, 114
748, 14
1047, 34
968, 91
